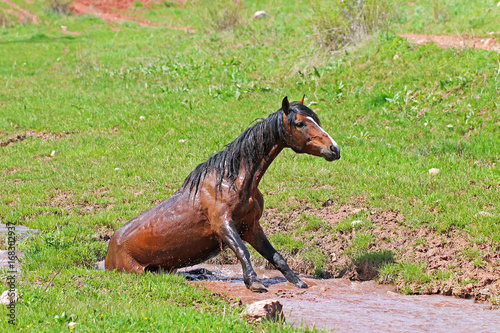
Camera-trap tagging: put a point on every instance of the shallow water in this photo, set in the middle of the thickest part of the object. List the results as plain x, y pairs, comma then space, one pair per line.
348, 306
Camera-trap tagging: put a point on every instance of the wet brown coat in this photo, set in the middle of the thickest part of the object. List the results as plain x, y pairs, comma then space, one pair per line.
188, 228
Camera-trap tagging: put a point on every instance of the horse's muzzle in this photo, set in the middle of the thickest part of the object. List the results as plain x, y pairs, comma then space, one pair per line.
331, 154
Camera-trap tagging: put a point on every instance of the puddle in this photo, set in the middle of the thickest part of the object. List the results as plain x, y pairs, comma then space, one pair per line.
347, 306
21, 233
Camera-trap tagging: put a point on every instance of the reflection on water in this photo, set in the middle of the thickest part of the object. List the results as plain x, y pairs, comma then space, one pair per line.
348, 306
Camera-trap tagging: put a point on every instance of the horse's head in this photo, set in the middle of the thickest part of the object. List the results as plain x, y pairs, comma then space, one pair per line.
304, 133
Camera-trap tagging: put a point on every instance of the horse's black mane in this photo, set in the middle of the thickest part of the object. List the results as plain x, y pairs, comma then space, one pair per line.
249, 148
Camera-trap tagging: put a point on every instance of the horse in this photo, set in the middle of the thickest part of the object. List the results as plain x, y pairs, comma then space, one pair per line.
219, 204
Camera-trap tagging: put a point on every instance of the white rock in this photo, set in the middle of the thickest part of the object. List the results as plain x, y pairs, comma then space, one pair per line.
182, 140
259, 14
269, 309
483, 213
117, 169
142, 118
434, 171
356, 223
5, 299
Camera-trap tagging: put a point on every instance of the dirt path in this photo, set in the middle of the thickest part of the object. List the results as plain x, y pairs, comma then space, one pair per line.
20, 13
116, 11
457, 41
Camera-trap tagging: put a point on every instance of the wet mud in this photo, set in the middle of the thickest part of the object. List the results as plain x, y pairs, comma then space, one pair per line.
351, 306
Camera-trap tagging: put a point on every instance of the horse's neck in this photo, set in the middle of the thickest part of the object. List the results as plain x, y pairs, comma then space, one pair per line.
256, 173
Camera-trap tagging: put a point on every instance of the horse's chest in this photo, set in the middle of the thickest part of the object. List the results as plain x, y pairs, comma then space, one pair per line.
249, 211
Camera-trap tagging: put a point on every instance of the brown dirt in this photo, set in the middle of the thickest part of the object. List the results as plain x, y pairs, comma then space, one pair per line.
116, 11
393, 241
32, 134
457, 41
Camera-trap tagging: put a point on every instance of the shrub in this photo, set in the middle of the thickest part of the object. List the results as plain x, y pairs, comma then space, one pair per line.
340, 23
224, 15
59, 7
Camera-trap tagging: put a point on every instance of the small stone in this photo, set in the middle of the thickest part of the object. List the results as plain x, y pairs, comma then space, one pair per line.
259, 14
269, 309
449, 126
117, 169
356, 223
182, 140
142, 118
485, 292
434, 171
483, 213
9, 297
54, 152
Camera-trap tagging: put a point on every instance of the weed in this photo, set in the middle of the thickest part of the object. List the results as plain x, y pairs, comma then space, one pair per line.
224, 15
342, 23
59, 7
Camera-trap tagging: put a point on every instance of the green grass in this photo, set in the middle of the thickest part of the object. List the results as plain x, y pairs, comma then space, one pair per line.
393, 117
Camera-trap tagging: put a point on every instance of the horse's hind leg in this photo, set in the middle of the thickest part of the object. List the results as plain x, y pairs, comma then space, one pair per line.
117, 259
259, 241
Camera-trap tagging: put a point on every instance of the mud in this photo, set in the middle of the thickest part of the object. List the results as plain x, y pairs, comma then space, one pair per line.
393, 241
349, 306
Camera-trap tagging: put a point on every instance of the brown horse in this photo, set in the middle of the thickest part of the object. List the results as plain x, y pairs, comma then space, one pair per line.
219, 203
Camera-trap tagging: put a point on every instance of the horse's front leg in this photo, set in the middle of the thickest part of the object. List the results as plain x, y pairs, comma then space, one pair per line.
259, 241
230, 236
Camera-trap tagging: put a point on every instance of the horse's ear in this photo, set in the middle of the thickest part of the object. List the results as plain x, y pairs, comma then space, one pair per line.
302, 100
285, 106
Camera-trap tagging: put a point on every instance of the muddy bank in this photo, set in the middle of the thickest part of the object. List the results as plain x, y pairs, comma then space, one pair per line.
351, 306
392, 241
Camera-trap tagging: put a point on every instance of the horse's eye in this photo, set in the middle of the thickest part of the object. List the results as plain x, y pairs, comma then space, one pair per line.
300, 124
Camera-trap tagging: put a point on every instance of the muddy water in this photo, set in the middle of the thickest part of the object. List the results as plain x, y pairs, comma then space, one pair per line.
346, 306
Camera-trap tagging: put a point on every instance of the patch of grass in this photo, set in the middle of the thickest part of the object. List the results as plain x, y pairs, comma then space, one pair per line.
407, 272
287, 243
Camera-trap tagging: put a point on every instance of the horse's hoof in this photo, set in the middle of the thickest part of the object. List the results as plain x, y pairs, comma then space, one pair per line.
302, 285
257, 287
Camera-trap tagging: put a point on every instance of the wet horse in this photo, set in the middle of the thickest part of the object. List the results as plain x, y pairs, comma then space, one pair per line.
219, 204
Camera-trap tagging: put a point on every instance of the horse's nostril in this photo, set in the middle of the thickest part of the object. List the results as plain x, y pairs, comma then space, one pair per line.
335, 150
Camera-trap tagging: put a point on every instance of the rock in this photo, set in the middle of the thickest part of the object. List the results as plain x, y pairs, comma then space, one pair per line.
6, 300
483, 213
356, 223
434, 171
142, 118
259, 14
269, 309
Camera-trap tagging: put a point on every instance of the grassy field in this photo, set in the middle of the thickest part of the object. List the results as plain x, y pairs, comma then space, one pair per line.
129, 113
